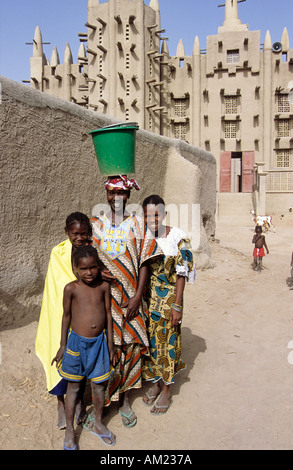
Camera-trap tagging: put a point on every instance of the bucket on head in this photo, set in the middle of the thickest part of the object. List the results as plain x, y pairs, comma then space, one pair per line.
115, 148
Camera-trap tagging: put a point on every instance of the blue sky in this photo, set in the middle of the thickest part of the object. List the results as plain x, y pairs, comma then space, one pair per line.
61, 20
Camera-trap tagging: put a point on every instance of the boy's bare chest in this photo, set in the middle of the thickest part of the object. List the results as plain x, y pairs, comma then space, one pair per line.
89, 296
259, 241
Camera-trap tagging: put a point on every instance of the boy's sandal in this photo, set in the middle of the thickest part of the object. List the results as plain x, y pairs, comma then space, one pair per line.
89, 422
69, 448
109, 436
127, 422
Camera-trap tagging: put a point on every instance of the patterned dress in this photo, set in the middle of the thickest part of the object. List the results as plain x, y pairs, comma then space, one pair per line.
165, 359
122, 250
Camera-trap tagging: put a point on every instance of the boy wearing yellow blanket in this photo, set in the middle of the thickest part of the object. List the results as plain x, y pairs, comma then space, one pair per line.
60, 272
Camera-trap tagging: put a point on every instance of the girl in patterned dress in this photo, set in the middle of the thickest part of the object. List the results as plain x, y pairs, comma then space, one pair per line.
164, 297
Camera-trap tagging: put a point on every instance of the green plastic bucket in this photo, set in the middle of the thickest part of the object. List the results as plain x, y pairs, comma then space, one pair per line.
115, 148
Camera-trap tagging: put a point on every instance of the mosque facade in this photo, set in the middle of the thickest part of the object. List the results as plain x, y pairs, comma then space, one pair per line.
232, 98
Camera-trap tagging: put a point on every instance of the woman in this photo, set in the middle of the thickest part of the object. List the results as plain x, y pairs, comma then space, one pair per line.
123, 250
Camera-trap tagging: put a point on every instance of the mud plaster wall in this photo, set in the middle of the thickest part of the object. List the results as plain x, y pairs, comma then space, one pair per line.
49, 169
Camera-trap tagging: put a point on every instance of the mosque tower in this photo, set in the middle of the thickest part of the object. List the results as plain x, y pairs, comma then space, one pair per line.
118, 68
230, 98
37, 61
232, 21
123, 51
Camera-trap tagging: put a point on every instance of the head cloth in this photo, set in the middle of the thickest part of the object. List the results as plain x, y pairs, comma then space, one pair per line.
121, 182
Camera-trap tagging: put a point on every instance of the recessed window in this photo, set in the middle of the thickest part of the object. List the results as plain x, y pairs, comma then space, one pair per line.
230, 104
233, 56
283, 159
283, 104
283, 128
230, 129
180, 107
180, 131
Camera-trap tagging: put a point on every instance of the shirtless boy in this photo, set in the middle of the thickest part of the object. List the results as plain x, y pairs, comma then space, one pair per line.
86, 346
259, 244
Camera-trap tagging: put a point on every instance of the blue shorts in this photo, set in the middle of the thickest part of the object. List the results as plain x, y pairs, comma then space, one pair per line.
86, 357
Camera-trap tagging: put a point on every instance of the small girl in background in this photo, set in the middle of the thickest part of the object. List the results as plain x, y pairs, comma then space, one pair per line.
164, 297
60, 272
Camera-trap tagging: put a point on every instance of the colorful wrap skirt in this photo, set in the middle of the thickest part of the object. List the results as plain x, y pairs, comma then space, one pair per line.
127, 373
165, 359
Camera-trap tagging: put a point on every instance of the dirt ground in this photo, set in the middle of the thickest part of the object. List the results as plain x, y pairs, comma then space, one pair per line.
237, 390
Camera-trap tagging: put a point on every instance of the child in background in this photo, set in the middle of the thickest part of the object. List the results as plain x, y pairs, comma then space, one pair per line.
60, 272
87, 350
259, 244
164, 296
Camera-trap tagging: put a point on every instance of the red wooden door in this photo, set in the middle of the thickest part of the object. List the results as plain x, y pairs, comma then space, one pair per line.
247, 172
225, 172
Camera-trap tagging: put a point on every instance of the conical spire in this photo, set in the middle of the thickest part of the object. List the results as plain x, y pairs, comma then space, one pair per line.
165, 48
54, 57
285, 40
268, 41
196, 46
38, 47
68, 55
92, 3
154, 4
81, 51
180, 49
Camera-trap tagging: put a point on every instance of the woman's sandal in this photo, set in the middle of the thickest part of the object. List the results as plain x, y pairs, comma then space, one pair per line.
150, 397
88, 424
161, 407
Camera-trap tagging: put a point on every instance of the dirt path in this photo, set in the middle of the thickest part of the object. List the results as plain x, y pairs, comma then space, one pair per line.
237, 390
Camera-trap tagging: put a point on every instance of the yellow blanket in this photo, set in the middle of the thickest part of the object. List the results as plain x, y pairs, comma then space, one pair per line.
49, 328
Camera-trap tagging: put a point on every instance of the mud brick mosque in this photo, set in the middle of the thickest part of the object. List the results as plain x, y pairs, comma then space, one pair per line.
231, 97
